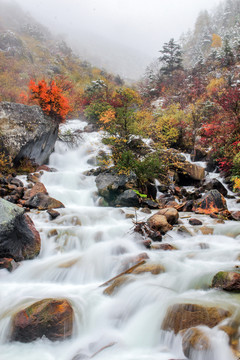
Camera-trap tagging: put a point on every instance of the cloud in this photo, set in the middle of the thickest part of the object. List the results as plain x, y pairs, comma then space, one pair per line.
139, 25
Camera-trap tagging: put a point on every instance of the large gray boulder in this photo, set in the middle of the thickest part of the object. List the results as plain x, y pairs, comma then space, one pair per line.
187, 173
19, 238
128, 198
110, 185
26, 132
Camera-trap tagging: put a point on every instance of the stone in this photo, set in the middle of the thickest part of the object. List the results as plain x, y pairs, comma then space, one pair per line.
37, 188
159, 223
187, 206
8, 263
42, 201
151, 190
26, 132
52, 233
195, 340
154, 269
11, 44
199, 154
217, 185
144, 229
205, 230
45, 168
146, 210
212, 202
235, 215
194, 222
53, 214
147, 243
19, 238
227, 280
189, 173
128, 198
150, 204
111, 289
182, 230
52, 318
171, 215
111, 184
171, 204
138, 146
184, 316
33, 178
163, 247
129, 216
17, 182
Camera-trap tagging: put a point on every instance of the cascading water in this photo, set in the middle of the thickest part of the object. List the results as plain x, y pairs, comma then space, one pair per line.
88, 245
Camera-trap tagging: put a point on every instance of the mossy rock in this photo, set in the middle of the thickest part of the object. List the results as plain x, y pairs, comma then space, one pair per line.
184, 316
52, 318
227, 280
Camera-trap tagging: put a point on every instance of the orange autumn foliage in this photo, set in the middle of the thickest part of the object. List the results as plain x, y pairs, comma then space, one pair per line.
50, 98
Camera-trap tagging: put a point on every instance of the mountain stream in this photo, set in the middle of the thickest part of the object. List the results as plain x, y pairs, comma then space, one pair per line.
88, 245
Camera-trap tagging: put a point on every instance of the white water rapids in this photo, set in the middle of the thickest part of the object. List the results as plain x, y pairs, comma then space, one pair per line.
88, 245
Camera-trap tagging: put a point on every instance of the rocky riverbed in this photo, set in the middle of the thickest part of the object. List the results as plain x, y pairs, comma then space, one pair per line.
152, 278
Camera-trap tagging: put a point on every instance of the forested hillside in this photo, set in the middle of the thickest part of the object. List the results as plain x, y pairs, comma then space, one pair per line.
29, 51
196, 89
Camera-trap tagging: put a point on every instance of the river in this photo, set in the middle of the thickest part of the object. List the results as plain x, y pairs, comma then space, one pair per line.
88, 245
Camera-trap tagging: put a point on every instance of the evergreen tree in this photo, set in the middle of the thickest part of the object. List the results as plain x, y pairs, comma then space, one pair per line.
171, 57
228, 56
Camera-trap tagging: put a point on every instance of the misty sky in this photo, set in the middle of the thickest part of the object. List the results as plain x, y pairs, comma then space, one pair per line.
121, 36
141, 24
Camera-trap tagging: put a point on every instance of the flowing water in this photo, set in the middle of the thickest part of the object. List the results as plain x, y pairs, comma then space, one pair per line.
88, 245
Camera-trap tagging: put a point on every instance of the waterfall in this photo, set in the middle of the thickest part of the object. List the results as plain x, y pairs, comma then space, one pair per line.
88, 245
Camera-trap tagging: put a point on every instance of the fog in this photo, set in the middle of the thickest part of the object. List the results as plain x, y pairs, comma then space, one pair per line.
122, 35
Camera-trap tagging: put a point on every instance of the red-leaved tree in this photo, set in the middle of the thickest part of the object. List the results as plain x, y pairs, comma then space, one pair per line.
50, 98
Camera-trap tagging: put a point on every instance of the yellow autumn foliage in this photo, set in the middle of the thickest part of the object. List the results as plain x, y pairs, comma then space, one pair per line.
215, 86
216, 41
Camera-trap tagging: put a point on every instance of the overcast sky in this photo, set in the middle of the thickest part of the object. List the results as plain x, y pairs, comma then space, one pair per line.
141, 24
97, 29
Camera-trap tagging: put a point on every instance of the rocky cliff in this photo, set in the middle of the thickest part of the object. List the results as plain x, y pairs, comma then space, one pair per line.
26, 132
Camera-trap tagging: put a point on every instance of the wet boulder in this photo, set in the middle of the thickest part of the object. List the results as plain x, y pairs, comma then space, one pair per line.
184, 316
215, 184
150, 204
37, 188
159, 223
163, 246
8, 264
110, 184
227, 280
19, 238
117, 283
128, 198
195, 222
53, 214
26, 132
138, 146
235, 215
154, 269
146, 231
42, 201
199, 154
52, 318
171, 215
195, 341
185, 232
188, 172
212, 202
